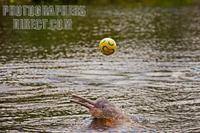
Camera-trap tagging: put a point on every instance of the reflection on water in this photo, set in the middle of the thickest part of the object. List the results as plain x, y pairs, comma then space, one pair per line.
155, 73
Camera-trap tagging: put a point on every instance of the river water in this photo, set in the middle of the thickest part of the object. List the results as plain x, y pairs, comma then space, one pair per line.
155, 74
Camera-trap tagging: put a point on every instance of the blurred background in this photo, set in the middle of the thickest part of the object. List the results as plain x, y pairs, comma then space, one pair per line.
128, 3
46, 41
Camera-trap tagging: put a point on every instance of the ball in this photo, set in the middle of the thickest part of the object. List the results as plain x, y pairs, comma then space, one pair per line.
107, 46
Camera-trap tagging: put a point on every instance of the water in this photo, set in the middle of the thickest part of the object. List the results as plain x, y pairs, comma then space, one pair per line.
155, 74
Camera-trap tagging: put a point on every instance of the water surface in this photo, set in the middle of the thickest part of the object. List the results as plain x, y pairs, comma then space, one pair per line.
155, 74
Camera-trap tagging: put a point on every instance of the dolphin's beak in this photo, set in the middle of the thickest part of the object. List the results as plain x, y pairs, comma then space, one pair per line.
83, 101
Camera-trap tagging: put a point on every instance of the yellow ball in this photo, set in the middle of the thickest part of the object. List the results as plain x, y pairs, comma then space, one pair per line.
107, 46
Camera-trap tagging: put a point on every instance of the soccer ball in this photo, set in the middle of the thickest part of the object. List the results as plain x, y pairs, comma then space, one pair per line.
107, 46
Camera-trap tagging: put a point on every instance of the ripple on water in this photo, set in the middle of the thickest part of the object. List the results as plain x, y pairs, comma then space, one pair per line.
155, 73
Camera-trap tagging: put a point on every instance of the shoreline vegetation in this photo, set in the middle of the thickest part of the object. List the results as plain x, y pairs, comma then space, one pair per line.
123, 3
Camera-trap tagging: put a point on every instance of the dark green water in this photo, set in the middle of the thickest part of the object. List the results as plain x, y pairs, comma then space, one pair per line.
155, 74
